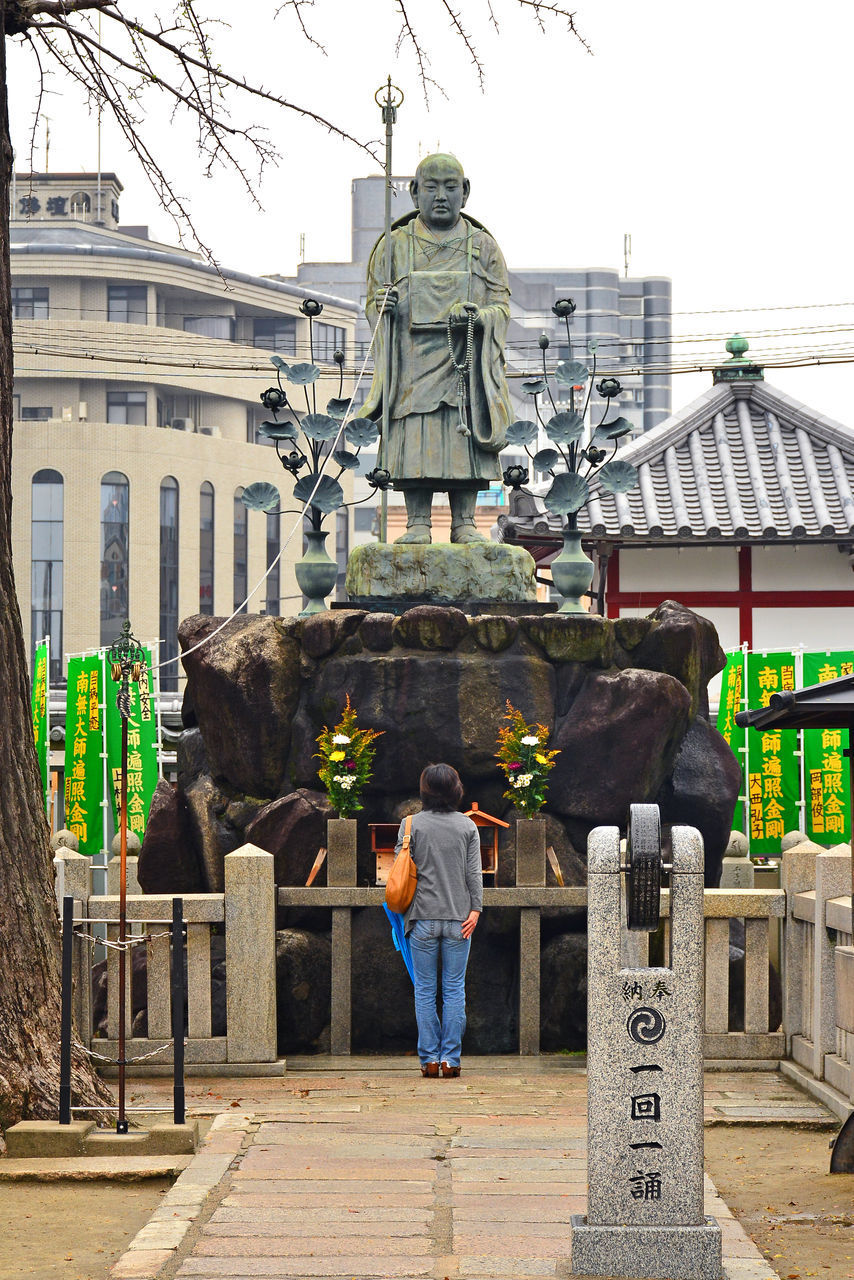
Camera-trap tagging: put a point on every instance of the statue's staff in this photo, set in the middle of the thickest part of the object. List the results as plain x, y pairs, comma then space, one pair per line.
389, 104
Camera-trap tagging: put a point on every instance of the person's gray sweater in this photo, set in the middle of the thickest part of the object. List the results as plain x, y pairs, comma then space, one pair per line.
445, 848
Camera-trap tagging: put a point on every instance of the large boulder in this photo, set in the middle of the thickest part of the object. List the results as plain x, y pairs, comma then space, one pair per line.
303, 978
168, 862
430, 707
217, 822
617, 744
244, 688
702, 791
293, 829
684, 645
563, 984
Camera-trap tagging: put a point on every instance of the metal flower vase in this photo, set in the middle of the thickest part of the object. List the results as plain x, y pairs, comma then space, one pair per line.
316, 572
572, 572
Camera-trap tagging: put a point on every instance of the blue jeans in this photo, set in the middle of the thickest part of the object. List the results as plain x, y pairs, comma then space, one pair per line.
440, 1042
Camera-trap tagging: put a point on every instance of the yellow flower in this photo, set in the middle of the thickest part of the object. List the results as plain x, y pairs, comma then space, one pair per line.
337, 755
541, 759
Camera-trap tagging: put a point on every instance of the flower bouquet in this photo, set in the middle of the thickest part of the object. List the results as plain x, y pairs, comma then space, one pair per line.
347, 755
525, 762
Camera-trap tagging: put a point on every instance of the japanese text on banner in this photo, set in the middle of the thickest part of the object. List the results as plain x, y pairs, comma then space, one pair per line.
773, 777
827, 772
84, 767
41, 728
142, 750
732, 701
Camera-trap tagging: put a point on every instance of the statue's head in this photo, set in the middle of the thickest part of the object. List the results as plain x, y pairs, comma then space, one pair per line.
439, 190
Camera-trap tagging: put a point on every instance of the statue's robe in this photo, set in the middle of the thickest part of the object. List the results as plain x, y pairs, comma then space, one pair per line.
424, 444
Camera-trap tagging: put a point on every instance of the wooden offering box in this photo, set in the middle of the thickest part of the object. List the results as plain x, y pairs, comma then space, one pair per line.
384, 838
488, 829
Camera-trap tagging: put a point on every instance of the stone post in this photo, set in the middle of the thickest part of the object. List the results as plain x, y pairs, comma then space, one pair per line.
797, 875
737, 870
341, 872
530, 870
341, 852
645, 1085
250, 955
832, 880
72, 880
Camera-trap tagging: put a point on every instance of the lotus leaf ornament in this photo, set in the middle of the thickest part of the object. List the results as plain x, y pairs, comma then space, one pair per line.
618, 476
565, 427
568, 494
303, 374
571, 373
261, 496
361, 432
319, 426
329, 495
521, 432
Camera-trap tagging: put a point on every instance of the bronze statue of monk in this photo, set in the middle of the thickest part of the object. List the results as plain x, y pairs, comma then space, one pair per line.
449, 301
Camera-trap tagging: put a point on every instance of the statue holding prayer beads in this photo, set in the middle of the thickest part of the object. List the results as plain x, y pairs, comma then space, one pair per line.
446, 308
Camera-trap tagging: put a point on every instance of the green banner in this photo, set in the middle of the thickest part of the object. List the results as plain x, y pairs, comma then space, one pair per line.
827, 775
142, 749
732, 701
773, 776
41, 726
84, 765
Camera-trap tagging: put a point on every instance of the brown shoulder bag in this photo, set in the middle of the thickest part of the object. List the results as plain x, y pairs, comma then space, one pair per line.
403, 877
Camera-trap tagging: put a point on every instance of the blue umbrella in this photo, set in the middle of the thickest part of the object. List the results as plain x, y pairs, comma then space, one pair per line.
400, 940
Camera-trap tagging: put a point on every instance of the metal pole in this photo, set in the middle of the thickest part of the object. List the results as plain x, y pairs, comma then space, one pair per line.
121, 1123
177, 976
389, 107
65, 1019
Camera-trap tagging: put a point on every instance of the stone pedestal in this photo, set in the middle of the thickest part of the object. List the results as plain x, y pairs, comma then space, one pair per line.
645, 1085
250, 950
441, 573
341, 852
531, 851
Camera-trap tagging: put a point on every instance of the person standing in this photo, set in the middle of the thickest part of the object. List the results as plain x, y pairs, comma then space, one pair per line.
443, 915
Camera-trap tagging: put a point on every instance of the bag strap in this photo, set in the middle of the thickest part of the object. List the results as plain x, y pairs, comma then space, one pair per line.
407, 827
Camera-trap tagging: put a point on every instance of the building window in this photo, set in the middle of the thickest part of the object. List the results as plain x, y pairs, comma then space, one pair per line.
210, 326
80, 204
328, 338
37, 413
29, 304
46, 573
241, 551
277, 334
273, 545
127, 408
169, 584
206, 548
127, 303
115, 558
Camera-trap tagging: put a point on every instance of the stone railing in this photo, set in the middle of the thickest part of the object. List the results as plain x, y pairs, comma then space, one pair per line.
227, 1022
752, 1038
818, 974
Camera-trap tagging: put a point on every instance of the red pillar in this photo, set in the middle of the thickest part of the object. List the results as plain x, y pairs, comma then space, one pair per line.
745, 596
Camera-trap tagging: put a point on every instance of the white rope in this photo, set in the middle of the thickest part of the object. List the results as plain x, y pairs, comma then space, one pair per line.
115, 944
298, 523
140, 1057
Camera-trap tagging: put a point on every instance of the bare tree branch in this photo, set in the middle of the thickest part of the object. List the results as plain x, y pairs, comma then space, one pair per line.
540, 7
297, 6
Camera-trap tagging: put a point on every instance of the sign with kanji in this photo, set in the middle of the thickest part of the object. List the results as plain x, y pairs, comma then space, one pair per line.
142, 749
773, 776
827, 776
84, 765
40, 710
732, 701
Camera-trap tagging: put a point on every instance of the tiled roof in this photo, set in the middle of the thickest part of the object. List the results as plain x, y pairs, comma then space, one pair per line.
744, 462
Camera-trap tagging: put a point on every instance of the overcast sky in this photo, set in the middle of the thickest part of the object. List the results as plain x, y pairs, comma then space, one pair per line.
717, 134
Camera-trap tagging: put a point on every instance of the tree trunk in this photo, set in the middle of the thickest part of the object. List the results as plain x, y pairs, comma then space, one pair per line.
29, 925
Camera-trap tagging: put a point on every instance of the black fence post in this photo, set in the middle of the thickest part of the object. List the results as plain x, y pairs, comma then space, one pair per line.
65, 1019
177, 974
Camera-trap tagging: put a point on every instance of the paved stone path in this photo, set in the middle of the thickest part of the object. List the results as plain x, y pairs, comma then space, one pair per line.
377, 1173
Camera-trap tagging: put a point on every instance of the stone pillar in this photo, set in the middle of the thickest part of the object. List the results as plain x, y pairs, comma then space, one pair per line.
645, 1085
341, 852
797, 876
737, 869
531, 851
341, 1002
72, 880
832, 880
250, 955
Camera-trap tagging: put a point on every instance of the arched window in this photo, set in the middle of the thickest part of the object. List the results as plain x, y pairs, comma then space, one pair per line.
241, 551
273, 544
169, 583
115, 558
206, 548
46, 558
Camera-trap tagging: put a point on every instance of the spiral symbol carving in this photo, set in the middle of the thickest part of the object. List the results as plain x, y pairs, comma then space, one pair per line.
645, 1025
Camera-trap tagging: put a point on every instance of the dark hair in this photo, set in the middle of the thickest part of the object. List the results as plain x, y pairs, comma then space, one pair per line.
441, 788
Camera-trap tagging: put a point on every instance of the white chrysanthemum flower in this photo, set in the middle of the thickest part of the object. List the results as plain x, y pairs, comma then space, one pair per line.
530, 741
341, 739
344, 781
524, 780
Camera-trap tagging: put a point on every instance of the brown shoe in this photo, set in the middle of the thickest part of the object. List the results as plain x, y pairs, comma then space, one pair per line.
449, 1072
430, 1069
